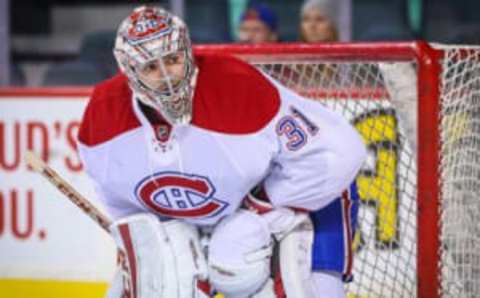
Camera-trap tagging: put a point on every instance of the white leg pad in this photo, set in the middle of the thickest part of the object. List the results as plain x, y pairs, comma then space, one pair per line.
163, 259
295, 266
326, 284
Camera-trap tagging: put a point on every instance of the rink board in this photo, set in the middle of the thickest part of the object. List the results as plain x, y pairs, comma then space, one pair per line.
48, 247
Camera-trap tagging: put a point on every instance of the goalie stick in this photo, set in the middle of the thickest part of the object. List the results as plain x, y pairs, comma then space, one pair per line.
63, 186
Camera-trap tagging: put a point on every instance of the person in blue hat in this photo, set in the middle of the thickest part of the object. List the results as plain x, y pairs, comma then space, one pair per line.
258, 25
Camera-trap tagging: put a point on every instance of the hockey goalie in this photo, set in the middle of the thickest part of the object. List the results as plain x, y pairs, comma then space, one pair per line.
175, 144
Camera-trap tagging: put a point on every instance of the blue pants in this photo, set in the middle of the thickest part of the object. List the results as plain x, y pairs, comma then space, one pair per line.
334, 228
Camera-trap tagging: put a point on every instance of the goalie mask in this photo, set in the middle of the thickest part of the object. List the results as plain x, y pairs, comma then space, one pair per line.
153, 49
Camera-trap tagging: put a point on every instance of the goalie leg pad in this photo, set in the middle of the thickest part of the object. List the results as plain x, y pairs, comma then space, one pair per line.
326, 284
239, 254
295, 259
163, 259
296, 276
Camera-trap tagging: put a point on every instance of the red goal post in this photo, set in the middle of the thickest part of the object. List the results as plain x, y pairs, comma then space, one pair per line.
422, 257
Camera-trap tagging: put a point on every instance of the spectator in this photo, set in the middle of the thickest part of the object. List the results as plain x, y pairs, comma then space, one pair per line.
318, 21
258, 25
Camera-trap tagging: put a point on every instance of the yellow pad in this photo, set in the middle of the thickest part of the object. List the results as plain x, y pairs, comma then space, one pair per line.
27, 288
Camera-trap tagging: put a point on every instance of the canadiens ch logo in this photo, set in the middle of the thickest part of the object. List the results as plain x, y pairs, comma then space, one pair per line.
179, 195
147, 26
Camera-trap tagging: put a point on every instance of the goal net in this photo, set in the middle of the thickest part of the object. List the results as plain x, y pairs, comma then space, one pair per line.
417, 108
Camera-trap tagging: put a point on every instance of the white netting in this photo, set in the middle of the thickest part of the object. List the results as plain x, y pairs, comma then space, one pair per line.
460, 172
380, 99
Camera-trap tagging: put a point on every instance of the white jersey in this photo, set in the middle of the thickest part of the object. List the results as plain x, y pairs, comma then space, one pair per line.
246, 130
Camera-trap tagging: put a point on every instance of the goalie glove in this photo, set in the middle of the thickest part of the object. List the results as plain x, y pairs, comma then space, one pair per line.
293, 231
280, 221
241, 248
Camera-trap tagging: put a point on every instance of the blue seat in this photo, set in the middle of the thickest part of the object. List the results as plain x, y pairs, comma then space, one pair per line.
76, 73
94, 63
17, 77
97, 48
